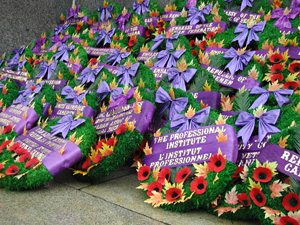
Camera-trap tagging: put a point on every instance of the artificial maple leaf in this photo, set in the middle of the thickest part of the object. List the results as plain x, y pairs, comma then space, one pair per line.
291, 77
72, 137
24, 131
144, 48
201, 170
220, 120
141, 83
137, 108
183, 13
259, 111
203, 105
297, 108
79, 140
147, 150
158, 133
217, 18
282, 142
85, 102
206, 86
283, 41
156, 199
20, 175
106, 150
143, 186
221, 137
231, 197
227, 105
253, 73
61, 151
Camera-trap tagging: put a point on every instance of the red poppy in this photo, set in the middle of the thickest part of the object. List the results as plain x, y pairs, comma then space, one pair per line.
258, 197
31, 163
244, 199
161, 23
239, 170
87, 163
216, 163
4, 144
164, 174
203, 45
276, 68
182, 175
192, 44
1, 166
98, 158
294, 67
30, 60
219, 30
92, 61
14, 146
194, 52
276, 58
154, 186
199, 185
78, 27
262, 174
115, 38
286, 220
200, 60
291, 202
20, 151
36, 61
121, 129
132, 41
4, 90
24, 157
148, 33
276, 76
290, 85
144, 173
12, 170
210, 34
7, 129
161, 29
172, 194
111, 142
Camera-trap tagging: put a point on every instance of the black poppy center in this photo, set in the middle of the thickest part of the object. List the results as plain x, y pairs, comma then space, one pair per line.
289, 224
262, 176
145, 174
277, 70
245, 202
167, 177
200, 186
276, 60
174, 195
218, 163
156, 189
296, 69
259, 197
293, 202
184, 175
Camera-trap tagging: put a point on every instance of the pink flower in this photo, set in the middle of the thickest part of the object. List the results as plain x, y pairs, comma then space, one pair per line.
231, 197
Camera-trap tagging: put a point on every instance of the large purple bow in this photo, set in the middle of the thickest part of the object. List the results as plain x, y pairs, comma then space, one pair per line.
72, 95
179, 78
88, 74
295, 4
121, 20
15, 62
190, 3
246, 3
22, 100
141, 8
165, 57
264, 124
56, 39
195, 15
121, 99
158, 40
103, 90
59, 28
38, 44
45, 68
18, 52
116, 56
182, 122
105, 35
63, 53
283, 19
243, 30
72, 12
238, 61
65, 124
265, 95
105, 12
31, 88
125, 74
163, 100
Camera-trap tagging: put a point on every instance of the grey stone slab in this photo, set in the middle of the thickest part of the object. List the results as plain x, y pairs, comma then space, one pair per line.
60, 204
131, 198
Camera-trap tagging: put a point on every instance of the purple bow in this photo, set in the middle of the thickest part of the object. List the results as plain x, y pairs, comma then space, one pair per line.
265, 95
264, 127
105, 12
246, 3
195, 15
22, 100
125, 74
165, 57
31, 88
38, 44
1, 61
2, 85
190, 3
88, 74
59, 28
182, 122
141, 8
72, 95
72, 12
121, 20
105, 35
18, 52
56, 39
63, 53
282, 18
163, 99
103, 90
295, 4
238, 61
243, 30
160, 38
65, 124
15, 62
116, 56
121, 99
179, 78
45, 68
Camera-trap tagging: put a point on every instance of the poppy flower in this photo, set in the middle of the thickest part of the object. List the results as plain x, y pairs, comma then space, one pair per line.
210, 34
121, 129
216, 163
87, 163
92, 61
154, 186
31, 163
172, 194
291, 202
148, 33
182, 175
7, 129
276, 68
78, 27
294, 67
199, 185
20, 151
144, 173
239, 170
4, 144
200, 60
194, 52
30, 60
192, 44
24, 157
276, 58
12, 170
14, 146
164, 174
1, 166
276, 76
132, 41
161, 29
161, 23
262, 174
286, 220
244, 199
203, 45
290, 85
258, 197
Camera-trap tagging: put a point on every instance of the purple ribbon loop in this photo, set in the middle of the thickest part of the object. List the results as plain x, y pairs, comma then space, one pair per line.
72, 95
116, 56
242, 30
22, 100
121, 99
247, 120
264, 95
283, 19
73, 13
65, 124
59, 28
1, 61
105, 12
190, 3
164, 100
31, 88
246, 3
15, 62
295, 4
125, 74
238, 61
56, 39
105, 35
179, 78
165, 57
121, 20
141, 8
45, 68
63, 53
160, 38
38, 44
103, 90
182, 122
18, 52
195, 15
88, 74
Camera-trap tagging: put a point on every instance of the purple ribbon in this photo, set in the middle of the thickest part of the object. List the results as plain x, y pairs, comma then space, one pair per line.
31, 88
59, 28
63, 53
103, 90
88, 74
22, 100
265, 95
190, 3
72, 12
141, 8
160, 38
238, 61
105, 12
17, 51
45, 68
13, 63
163, 99
72, 95
105, 35
121, 20
195, 15
116, 56
242, 29
2, 85
295, 4
165, 57
264, 127
182, 122
65, 124
246, 3
56, 39
121, 99
125, 74
1, 61
179, 78
283, 21
38, 44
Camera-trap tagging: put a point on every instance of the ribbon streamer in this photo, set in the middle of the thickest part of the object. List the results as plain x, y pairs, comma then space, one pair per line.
105, 12
283, 18
121, 99
88, 74
103, 90
246, 3
72, 95
59, 29
125, 74
63, 53
160, 38
195, 15
121, 20
179, 78
45, 68
105, 35
116, 56
165, 57
141, 8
